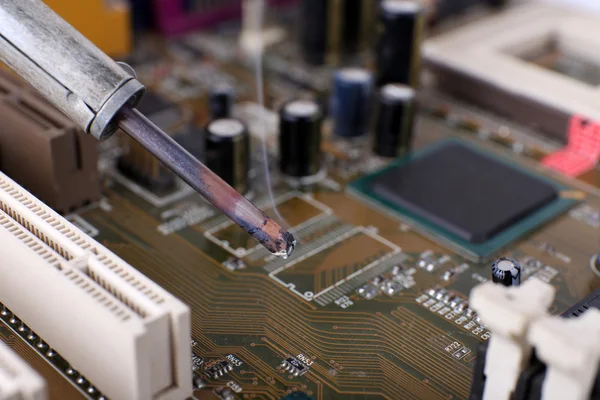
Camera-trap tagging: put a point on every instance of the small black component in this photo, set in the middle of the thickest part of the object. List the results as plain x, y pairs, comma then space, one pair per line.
224, 393
217, 369
294, 366
297, 396
465, 192
220, 101
506, 271
394, 120
350, 102
397, 53
591, 301
228, 151
300, 138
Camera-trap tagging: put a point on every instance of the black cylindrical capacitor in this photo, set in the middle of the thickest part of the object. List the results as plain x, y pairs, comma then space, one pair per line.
300, 138
350, 102
315, 30
394, 120
506, 271
398, 48
352, 25
228, 152
220, 101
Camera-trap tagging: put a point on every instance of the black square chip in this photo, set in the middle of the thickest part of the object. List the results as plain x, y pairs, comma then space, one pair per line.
463, 191
464, 195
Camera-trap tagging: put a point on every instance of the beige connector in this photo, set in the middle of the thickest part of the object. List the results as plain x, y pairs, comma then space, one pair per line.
126, 334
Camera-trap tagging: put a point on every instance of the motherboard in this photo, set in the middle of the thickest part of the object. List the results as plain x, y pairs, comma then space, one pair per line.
374, 302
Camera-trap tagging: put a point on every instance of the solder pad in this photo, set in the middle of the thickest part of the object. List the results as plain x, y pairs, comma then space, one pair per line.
464, 197
334, 263
294, 209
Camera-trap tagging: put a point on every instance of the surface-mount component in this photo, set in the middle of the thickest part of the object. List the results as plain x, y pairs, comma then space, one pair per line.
534, 63
228, 151
300, 139
506, 271
294, 366
44, 151
18, 381
224, 393
469, 199
394, 120
217, 368
350, 102
132, 336
398, 48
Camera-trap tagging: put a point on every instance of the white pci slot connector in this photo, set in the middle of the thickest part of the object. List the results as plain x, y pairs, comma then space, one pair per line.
127, 335
18, 381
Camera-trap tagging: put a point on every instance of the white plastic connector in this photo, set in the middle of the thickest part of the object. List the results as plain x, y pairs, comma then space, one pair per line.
508, 312
571, 351
126, 334
18, 381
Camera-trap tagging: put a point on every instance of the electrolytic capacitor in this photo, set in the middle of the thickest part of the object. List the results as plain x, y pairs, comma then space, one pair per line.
228, 151
350, 102
220, 101
316, 30
398, 48
394, 121
507, 272
332, 29
300, 138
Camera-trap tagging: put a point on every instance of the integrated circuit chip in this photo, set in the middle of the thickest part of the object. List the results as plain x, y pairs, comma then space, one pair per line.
469, 198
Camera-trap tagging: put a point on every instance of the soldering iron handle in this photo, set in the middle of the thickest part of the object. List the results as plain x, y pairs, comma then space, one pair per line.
70, 71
